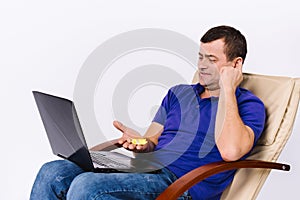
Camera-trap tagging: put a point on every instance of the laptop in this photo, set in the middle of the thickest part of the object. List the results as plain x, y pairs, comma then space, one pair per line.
67, 140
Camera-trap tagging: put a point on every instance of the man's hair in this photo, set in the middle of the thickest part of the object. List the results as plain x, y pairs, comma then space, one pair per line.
235, 41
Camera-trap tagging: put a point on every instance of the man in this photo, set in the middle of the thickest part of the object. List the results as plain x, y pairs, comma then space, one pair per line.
197, 124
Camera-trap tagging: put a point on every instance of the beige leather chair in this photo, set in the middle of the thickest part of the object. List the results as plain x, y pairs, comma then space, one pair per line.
281, 97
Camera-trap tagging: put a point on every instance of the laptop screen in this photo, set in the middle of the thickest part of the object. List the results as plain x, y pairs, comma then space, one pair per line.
63, 128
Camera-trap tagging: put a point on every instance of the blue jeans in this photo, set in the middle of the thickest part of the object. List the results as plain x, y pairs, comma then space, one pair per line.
63, 179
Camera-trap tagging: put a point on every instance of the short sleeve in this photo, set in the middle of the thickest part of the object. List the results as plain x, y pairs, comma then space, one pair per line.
252, 112
167, 102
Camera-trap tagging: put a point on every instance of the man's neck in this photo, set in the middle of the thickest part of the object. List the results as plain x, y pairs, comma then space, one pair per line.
210, 93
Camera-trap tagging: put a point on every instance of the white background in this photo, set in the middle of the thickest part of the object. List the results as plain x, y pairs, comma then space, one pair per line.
43, 45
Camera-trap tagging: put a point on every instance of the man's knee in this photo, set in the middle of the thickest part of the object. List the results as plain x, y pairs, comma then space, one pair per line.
60, 168
54, 166
50, 168
53, 179
84, 186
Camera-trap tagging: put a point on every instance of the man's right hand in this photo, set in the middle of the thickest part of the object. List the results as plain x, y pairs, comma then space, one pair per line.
128, 135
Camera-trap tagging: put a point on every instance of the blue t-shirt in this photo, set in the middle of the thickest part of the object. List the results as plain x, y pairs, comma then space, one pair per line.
188, 141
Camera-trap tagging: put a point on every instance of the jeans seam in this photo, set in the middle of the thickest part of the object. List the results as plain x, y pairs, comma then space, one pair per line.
122, 191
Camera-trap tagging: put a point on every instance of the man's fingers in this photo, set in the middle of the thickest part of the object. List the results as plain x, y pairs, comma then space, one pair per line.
121, 140
128, 145
131, 146
119, 126
124, 139
140, 147
129, 135
125, 145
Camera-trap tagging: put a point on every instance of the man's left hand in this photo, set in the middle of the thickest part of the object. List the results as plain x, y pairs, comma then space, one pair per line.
230, 77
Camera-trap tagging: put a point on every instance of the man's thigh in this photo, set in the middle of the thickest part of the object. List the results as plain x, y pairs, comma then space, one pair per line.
120, 185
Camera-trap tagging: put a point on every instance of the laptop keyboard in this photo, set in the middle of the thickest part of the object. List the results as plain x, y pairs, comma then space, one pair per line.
102, 160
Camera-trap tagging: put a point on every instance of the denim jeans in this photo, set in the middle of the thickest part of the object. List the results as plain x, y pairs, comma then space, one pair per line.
63, 179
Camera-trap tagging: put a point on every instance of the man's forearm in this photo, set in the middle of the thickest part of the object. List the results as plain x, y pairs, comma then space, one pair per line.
232, 137
153, 132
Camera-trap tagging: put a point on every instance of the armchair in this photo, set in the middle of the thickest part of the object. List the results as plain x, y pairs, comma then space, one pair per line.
281, 98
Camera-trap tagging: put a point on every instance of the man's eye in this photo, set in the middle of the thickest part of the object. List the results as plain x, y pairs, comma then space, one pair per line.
200, 58
212, 61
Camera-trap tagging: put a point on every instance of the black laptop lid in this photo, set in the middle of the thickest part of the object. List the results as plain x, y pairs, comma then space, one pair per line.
63, 129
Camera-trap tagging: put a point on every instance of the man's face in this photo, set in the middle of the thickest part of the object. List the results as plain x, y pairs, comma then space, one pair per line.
211, 60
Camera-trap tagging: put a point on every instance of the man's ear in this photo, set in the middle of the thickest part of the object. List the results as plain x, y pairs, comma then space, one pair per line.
238, 62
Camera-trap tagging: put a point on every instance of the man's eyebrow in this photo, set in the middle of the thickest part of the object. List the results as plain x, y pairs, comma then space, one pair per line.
208, 56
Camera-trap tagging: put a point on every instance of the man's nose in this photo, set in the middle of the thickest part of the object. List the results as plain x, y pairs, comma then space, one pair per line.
202, 65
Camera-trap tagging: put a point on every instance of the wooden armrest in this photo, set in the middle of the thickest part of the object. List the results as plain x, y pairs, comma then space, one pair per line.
193, 177
107, 146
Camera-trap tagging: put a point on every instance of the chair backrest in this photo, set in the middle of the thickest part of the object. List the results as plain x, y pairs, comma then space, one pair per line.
281, 98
